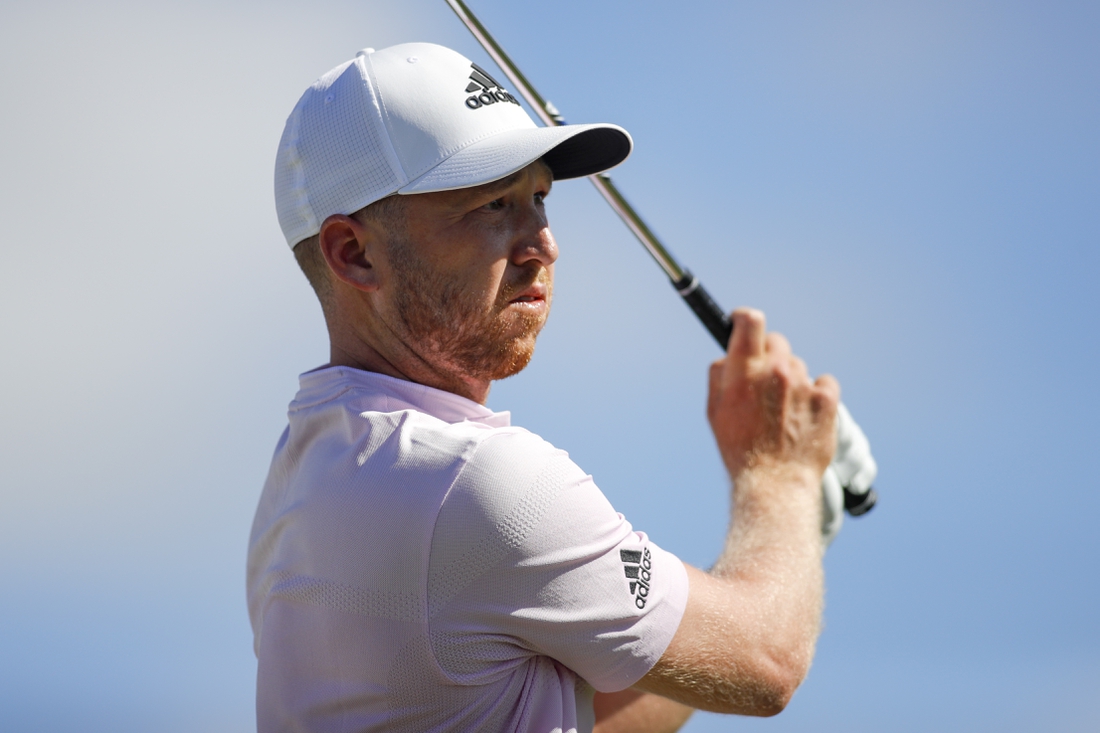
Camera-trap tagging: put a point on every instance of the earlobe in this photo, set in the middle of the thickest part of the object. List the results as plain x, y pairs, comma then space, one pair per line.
348, 249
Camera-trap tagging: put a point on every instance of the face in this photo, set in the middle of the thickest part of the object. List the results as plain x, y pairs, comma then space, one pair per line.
472, 273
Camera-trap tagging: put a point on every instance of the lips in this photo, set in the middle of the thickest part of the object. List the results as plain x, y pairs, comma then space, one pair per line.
532, 286
533, 293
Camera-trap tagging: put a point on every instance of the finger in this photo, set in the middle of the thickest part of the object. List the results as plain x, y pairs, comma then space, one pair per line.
714, 386
826, 394
749, 329
797, 370
777, 346
827, 383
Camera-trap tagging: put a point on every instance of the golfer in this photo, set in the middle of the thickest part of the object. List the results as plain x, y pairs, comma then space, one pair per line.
417, 563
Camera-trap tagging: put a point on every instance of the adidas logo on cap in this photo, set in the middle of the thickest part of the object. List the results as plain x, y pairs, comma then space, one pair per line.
638, 566
490, 90
406, 119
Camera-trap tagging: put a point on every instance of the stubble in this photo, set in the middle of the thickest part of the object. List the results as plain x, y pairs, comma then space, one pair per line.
448, 326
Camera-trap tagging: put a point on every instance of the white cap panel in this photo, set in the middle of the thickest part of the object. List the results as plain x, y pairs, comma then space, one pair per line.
414, 112
423, 92
335, 145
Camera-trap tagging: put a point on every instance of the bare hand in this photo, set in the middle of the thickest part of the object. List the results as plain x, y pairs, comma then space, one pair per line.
764, 411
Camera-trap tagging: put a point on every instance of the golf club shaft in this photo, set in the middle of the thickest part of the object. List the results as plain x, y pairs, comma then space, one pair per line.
689, 287
686, 284
716, 321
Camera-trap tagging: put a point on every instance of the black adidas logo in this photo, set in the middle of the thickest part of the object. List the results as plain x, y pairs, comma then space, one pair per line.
490, 92
638, 567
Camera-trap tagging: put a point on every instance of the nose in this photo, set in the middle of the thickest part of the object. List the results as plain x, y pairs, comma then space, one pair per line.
535, 242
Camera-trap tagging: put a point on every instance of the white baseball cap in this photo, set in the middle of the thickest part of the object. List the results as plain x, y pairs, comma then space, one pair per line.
416, 118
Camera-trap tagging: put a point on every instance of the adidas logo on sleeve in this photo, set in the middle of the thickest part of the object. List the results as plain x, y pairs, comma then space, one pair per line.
638, 566
490, 90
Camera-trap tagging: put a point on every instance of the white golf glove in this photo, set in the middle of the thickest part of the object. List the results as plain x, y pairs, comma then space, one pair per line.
852, 467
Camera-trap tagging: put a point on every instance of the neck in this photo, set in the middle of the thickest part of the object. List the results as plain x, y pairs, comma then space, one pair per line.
351, 350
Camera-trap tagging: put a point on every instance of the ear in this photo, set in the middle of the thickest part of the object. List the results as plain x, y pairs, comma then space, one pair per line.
350, 249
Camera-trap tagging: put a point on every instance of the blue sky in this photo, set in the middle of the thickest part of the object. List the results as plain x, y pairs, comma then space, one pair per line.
909, 190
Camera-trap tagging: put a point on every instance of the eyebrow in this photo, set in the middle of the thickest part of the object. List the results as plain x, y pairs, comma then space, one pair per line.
499, 185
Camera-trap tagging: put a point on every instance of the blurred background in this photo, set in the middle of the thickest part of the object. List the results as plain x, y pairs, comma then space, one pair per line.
910, 190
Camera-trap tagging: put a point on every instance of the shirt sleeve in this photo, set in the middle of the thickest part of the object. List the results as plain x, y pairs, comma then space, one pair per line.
529, 558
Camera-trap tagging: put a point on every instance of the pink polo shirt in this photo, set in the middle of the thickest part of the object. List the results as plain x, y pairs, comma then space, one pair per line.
418, 564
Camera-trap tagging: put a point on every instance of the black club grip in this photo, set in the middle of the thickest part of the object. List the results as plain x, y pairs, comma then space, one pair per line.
699, 300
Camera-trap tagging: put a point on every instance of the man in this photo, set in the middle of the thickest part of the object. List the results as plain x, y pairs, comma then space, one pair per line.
416, 562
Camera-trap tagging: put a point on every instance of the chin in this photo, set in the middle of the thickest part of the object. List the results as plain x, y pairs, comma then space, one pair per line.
516, 357
500, 349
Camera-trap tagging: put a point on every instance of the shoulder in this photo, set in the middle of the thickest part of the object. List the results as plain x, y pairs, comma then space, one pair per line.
507, 455
509, 485
509, 476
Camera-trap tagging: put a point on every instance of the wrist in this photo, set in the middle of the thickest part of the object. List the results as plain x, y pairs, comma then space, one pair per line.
776, 518
786, 497
786, 477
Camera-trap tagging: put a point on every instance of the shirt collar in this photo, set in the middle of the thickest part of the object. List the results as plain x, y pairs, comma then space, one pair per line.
394, 394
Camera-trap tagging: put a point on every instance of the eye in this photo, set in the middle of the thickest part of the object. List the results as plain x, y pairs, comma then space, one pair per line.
540, 197
495, 205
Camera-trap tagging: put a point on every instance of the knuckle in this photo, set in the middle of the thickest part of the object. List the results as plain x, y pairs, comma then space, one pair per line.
777, 342
780, 376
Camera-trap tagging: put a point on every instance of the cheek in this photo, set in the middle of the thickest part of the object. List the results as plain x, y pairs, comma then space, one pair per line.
474, 264
478, 283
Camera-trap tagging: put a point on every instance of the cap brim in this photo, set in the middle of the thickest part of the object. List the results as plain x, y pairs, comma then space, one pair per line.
571, 151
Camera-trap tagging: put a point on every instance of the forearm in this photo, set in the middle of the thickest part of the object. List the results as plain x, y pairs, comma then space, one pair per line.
633, 711
772, 561
747, 638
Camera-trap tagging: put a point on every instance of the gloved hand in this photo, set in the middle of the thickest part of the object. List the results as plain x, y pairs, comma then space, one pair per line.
852, 467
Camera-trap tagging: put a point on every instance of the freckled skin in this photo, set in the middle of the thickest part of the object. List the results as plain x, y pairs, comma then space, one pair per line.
748, 633
454, 296
449, 321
